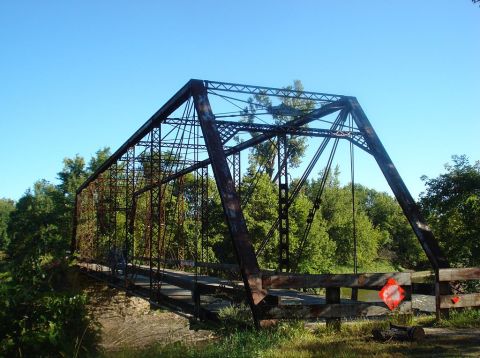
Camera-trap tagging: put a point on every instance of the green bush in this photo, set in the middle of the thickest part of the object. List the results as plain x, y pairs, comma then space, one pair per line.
39, 322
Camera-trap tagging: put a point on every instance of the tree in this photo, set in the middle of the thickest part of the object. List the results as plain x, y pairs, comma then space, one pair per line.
35, 230
398, 242
6, 207
260, 213
318, 251
37, 317
336, 211
451, 203
264, 154
71, 176
100, 157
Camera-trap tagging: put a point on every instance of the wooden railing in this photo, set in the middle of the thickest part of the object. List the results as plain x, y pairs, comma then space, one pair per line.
295, 304
334, 309
458, 300
442, 287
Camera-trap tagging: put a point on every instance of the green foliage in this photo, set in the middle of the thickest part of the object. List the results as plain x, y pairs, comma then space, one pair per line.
39, 316
35, 230
337, 212
6, 207
260, 215
398, 242
38, 321
100, 157
318, 253
71, 176
452, 206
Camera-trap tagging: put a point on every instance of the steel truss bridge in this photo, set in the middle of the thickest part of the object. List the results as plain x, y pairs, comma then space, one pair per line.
145, 215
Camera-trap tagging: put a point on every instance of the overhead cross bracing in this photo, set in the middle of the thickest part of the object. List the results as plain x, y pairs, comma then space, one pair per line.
150, 203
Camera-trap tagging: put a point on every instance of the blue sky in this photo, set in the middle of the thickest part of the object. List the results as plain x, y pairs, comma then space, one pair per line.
80, 75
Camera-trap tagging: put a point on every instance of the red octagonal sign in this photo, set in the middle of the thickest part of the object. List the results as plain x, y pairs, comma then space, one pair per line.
392, 294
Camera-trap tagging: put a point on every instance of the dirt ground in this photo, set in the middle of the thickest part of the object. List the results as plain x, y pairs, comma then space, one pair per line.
129, 322
454, 342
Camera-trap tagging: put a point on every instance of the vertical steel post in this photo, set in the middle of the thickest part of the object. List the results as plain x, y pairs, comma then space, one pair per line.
283, 222
204, 213
112, 214
244, 251
237, 173
114, 198
73, 242
95, 206
155, 176
129, 203
156, 207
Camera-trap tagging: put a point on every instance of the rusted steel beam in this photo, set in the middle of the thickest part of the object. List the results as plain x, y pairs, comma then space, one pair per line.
459, 274
459, 301
331, 311
298, 281
404, 198
231, 204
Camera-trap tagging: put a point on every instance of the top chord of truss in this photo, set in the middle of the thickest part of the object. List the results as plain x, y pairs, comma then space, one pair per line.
269, 91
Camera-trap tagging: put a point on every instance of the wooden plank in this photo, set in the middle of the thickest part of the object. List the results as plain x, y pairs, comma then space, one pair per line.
333, 280
467, 300
423, 277
459, 274
327, 311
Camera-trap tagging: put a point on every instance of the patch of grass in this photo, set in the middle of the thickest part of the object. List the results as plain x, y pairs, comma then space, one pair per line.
467, 318
374, 266
235, 317
235, 344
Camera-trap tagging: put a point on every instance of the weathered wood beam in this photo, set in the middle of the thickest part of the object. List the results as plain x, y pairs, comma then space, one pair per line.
459, 274
423, 277
332, 297
467, 300
333, 280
